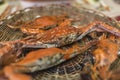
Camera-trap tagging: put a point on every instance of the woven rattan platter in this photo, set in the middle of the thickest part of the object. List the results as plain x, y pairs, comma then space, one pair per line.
71, 69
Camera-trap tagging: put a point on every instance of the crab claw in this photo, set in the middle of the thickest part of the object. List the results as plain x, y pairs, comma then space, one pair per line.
43, 58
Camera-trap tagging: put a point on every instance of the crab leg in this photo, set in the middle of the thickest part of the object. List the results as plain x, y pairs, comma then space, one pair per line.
99, 26
110, 29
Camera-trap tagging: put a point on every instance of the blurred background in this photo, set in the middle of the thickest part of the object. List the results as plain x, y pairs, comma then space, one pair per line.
108, 7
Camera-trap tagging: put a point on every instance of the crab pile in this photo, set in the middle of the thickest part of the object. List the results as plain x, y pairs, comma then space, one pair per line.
53, 40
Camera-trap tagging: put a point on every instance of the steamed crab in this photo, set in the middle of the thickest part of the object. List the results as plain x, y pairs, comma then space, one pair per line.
41, 24
55, 41
58, 36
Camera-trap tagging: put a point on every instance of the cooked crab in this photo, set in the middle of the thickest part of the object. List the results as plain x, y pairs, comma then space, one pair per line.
60, 36
44, 58
55, 37
41, 24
